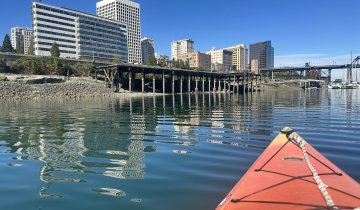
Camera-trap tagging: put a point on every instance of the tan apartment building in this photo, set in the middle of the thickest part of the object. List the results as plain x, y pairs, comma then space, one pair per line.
254, 66
221, 60
197, 60
240, 57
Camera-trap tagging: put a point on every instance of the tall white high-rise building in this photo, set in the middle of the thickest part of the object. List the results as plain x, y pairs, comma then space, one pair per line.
181, 47
25, 34
128, 12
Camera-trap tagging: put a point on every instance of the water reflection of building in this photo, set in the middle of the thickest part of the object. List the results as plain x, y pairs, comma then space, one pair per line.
61, 150
133, 167
71, 140
123, 127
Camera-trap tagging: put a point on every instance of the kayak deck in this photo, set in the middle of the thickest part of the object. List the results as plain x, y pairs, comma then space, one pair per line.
281, 179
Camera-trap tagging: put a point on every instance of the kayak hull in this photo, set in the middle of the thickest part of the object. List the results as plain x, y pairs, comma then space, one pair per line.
281, 179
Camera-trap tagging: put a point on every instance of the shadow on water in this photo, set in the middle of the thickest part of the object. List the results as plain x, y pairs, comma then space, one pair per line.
164, 152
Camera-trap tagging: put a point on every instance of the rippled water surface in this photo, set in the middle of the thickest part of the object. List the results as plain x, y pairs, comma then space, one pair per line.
172, 152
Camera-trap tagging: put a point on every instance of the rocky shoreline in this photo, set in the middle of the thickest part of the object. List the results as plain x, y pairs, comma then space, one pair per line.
17, 91
32, 87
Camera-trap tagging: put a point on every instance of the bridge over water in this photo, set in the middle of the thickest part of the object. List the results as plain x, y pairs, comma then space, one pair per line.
323, 71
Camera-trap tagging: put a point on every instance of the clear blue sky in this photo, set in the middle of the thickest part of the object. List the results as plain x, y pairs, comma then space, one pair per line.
320, 31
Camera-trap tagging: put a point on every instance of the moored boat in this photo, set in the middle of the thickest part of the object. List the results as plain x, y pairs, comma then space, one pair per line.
291, 174
352, 85
334, 86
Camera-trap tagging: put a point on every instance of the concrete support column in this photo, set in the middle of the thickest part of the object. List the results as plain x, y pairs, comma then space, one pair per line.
154, 85
173, 83
209, 81
118, 85
203, 84
130, 81
142, 81
243, 82
189, 84
229, 84
234, 82
112, 77
214, 85
224, 81
252, 84
219, 87
237, 85
181, 84
197, 83
163, 82
248, 82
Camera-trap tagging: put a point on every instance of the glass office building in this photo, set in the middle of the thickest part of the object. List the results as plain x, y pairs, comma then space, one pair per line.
78, 35
263, 52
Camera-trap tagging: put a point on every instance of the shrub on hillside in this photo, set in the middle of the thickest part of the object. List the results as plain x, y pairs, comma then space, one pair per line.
50, 66
41, 66
3, 64
82, 69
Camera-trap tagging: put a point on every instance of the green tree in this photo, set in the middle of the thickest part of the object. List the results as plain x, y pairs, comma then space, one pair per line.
20, 45
55, 51
154, 60
6, 46
161, 62
31, 47
151, 61
173, 62
187, 64
181, 64
116, 60
83, 69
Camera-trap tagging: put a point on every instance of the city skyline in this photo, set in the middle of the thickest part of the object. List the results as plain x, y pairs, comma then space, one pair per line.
300, 31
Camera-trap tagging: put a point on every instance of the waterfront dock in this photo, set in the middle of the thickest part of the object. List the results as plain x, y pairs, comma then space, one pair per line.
143, 79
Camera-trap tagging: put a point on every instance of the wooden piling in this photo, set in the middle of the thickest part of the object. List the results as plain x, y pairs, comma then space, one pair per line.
154, 83
142, 81
163, 82
214, 85
189, 84
196, 85
173, 83
130, 81
181, 83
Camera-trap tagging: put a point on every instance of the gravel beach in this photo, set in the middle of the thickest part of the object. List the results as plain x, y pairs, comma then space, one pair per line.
16, 91
20, 87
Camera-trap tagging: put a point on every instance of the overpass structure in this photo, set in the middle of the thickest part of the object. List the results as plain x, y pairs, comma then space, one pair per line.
322, 72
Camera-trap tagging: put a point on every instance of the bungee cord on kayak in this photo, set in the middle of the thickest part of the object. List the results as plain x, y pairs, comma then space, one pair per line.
321, 185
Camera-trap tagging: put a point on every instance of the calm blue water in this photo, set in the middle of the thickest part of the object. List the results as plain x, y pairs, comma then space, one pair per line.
173, 152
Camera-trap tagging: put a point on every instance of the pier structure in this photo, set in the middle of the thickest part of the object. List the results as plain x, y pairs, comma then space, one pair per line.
139, 78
